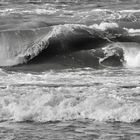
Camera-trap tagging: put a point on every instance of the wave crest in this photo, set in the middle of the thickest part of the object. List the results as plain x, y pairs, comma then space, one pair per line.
44, 108
21, 46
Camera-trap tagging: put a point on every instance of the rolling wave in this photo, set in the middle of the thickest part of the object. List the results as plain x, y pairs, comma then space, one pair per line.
62, 42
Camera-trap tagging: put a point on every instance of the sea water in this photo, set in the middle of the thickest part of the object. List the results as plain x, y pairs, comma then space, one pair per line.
70, 104
69, 95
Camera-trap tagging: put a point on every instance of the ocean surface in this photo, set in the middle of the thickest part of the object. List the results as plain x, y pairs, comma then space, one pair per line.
69, 70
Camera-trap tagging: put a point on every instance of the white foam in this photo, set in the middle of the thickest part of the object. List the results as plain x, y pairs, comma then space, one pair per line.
133, 31
43, 108
60, 96
132, 56
104, 26
129, 11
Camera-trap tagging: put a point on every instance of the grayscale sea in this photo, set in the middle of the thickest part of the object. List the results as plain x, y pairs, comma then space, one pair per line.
70, 70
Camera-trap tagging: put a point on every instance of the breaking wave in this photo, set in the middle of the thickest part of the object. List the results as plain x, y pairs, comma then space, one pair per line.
67, 42
48, 107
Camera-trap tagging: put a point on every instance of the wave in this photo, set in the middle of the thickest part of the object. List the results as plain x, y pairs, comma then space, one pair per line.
62, 41
39, 107
132, 55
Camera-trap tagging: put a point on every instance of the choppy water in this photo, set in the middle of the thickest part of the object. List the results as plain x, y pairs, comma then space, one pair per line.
71, 104
69, 70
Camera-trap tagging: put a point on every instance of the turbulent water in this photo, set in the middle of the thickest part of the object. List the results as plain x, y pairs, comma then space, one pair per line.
69, 70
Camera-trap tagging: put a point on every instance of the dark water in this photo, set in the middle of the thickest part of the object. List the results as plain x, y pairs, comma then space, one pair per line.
69, 70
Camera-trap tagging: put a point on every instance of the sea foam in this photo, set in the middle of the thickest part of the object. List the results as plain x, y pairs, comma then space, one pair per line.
132, 57
105, 25
51, 97
43, 108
